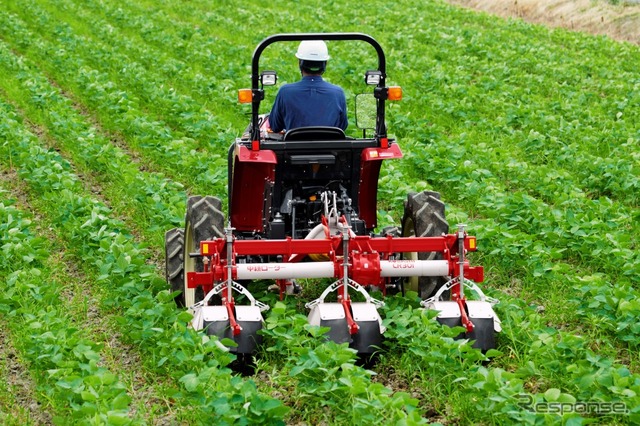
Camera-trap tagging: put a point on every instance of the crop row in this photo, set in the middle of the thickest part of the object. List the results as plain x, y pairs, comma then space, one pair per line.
181, 56
149, 318
593, 233
541, 227
564, 89
530, 156
549, 245
548, 366
131, 68
63, 356
92, 151
178, 156
541, 106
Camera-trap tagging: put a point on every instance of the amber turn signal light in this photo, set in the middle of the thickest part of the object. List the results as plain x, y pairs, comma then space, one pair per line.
245, 96
395, 93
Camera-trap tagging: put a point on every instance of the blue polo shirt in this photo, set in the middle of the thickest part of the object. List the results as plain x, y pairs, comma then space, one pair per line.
309, 102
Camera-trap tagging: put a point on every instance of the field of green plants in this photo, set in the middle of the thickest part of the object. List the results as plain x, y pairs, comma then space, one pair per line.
112, 113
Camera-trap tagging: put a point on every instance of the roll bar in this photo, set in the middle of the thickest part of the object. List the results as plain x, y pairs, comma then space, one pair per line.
380, 91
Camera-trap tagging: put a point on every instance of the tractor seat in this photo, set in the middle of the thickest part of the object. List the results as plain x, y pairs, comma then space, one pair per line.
315, 133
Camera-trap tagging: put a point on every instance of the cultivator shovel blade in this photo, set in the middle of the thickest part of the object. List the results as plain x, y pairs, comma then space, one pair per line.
331, 315
369, 336
250, 320
357, 323
485, 321
215, 321
483, 334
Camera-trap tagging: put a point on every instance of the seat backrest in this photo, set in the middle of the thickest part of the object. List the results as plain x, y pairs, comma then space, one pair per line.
315, 133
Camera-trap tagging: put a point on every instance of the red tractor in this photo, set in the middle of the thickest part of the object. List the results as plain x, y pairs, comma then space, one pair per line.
303, 204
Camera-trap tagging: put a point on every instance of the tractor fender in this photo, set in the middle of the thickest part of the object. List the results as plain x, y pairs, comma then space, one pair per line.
252, 172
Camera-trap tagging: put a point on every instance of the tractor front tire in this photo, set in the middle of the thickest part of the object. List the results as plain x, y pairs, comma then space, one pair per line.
424, 217
204, 221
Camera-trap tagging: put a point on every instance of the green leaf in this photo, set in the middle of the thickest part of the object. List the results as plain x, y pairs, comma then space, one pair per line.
552, 395
574, 420
492, 353
230, 343
566, 398
190, 382
185, 316
89, 396
118, 419
121, 402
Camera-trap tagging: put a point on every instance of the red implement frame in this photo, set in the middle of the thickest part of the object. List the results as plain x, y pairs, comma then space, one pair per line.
364, 255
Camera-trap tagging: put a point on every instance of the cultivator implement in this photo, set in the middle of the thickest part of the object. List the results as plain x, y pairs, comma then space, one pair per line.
357, 262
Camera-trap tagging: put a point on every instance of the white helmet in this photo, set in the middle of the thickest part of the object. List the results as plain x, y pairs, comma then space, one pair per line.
312, 50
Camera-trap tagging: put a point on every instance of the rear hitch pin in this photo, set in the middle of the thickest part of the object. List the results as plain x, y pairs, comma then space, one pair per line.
229, 303
346, 302
229, 238
461, 258
345, 260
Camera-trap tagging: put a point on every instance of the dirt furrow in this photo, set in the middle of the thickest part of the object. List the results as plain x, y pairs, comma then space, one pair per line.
619, 20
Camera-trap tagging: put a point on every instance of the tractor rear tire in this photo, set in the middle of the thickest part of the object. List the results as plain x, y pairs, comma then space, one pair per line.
204, 221
424, 216
173, 250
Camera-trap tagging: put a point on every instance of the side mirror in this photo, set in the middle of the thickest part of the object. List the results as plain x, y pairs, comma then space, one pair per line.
366, 110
